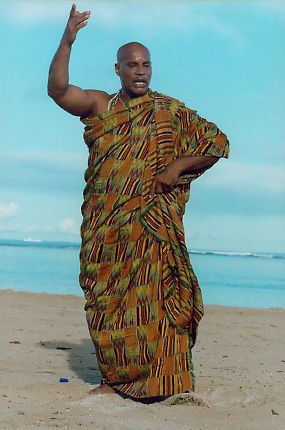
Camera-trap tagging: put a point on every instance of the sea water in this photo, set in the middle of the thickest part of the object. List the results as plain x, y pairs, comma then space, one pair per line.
226, 278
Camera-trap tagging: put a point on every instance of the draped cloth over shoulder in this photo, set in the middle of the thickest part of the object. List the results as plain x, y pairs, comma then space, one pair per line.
143, 301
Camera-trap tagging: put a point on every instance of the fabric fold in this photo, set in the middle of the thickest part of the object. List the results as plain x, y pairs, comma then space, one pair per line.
143, 300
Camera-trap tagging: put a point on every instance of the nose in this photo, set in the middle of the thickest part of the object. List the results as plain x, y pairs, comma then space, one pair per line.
140, 71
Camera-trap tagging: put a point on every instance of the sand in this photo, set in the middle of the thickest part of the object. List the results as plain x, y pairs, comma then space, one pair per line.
239, 362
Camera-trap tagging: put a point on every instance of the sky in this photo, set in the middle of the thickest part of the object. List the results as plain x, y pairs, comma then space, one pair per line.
224, 59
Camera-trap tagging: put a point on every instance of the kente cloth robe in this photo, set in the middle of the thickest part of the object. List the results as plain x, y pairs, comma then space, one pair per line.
143, 300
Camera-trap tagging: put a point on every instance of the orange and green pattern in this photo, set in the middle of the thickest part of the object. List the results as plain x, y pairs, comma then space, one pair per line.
143, 301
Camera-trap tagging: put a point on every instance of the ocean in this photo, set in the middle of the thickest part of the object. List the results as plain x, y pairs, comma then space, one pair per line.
248, 279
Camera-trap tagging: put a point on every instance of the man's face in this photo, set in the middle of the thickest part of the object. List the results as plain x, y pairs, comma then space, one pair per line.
134, 70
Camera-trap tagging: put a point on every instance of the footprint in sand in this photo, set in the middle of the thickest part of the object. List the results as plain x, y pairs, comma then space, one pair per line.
187, 398
222, 397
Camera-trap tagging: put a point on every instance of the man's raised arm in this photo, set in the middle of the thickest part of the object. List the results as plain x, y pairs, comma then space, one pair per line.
70, 97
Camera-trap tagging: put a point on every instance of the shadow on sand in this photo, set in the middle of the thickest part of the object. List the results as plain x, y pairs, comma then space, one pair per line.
80, 357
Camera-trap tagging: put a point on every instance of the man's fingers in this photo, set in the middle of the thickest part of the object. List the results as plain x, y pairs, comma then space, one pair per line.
81, 25
165, 188
73, 9
159, 187
82, 17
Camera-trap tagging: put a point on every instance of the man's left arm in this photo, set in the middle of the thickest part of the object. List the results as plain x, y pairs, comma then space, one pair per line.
187, 164
193, 163
201, 145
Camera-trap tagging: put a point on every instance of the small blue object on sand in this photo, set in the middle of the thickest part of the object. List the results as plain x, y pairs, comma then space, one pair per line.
63, 380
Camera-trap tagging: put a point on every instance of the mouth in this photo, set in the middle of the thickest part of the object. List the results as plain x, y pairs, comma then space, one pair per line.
140, 83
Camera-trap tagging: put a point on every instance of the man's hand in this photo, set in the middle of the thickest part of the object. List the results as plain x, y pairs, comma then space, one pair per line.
164, 182
75, 22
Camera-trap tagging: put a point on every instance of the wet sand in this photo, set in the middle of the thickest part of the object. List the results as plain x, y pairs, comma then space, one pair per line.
239, 363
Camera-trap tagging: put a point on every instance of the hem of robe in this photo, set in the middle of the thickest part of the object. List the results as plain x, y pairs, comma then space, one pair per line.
146, 399
164, 385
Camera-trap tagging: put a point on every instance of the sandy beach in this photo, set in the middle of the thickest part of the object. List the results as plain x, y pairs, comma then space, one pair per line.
239, 363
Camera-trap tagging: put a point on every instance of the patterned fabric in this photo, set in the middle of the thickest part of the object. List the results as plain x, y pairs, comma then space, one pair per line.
143, 301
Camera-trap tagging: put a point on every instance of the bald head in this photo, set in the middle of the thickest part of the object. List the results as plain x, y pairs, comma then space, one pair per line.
134, 69
128, 49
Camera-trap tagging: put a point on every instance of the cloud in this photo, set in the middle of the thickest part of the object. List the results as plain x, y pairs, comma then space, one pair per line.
8, 210
239, 188
276, 8
181, 16
61, 159
236, 232
260, 96
245, 177
216, 25
68, 225
31, 11
22, 227
47, 172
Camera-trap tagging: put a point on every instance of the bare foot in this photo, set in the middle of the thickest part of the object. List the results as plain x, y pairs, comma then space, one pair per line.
102, 389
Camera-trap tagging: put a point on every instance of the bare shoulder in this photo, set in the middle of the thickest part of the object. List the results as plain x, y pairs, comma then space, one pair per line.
100, 100
81, 102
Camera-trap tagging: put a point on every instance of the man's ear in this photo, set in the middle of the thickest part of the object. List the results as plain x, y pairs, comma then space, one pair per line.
117, 69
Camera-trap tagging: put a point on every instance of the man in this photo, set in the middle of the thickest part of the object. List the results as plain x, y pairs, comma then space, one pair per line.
143, 301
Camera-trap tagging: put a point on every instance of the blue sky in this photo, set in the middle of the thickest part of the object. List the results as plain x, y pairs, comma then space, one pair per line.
224, 59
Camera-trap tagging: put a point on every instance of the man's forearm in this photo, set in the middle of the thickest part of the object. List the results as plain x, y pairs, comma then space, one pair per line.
193, 163
58, 71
